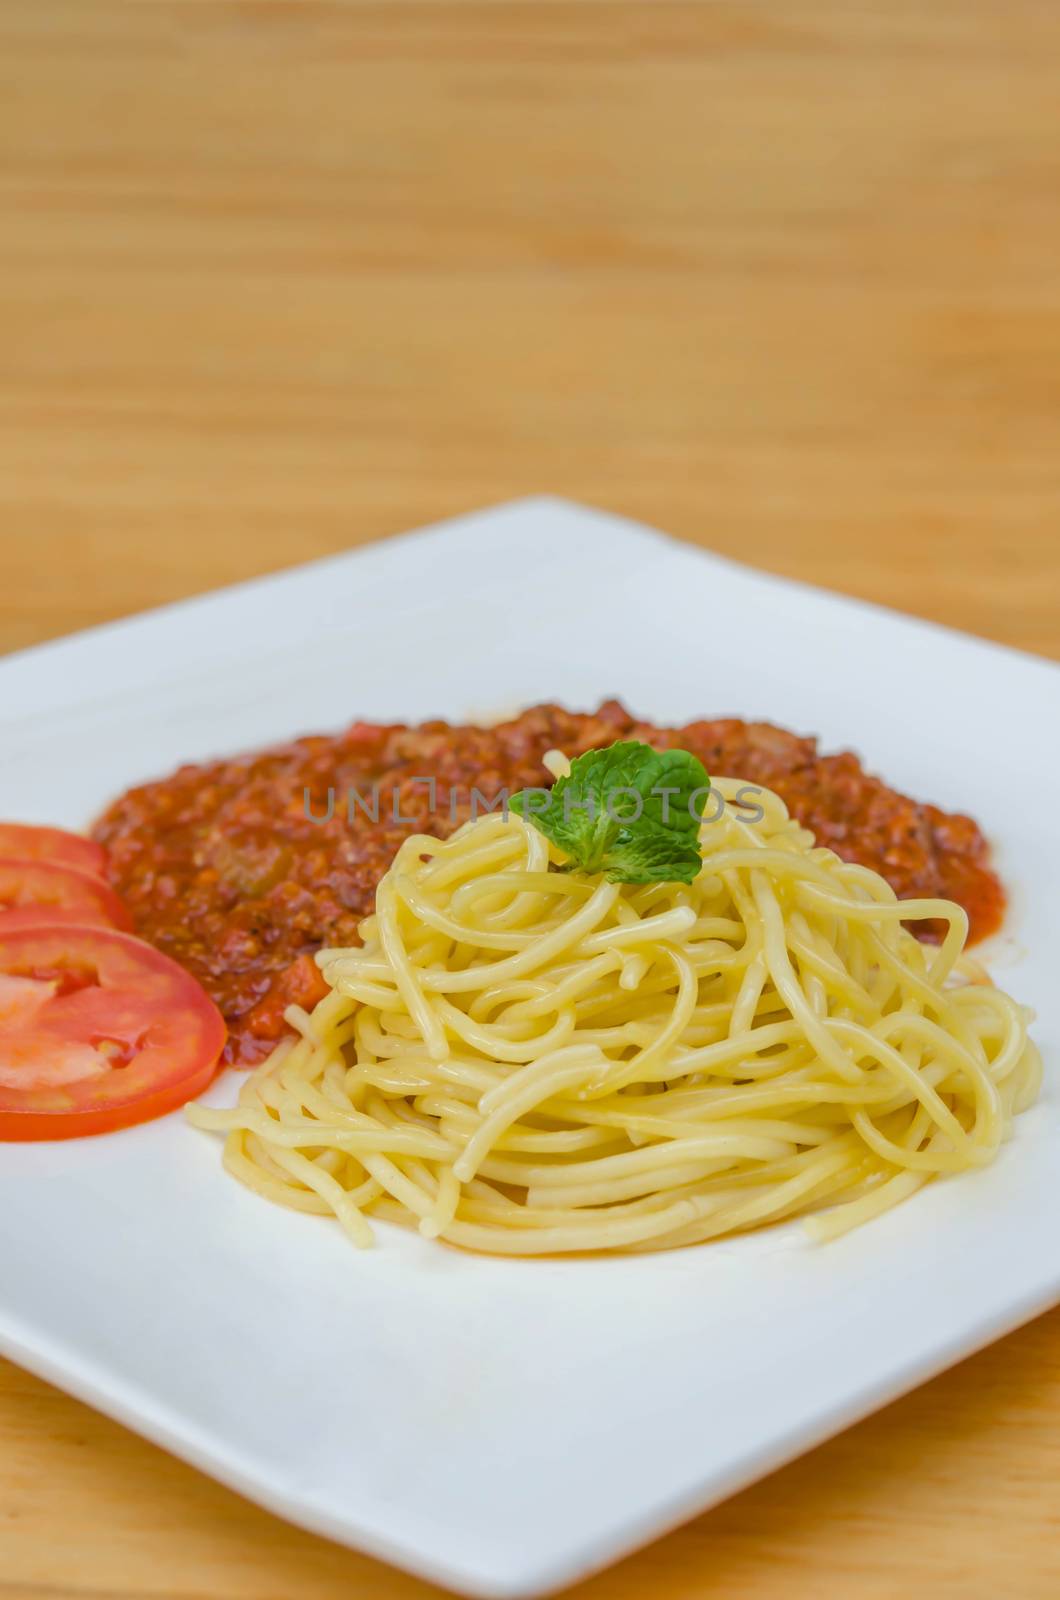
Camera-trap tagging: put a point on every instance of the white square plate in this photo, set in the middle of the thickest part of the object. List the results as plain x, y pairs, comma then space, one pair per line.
505, 1426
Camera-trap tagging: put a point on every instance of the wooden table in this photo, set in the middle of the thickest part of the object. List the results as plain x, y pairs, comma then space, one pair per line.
277, 279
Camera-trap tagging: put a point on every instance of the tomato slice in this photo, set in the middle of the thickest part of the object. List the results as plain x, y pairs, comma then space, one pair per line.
43, 890
21, 842
97, 1031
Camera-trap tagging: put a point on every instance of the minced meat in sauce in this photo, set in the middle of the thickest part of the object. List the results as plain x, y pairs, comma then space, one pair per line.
224, 868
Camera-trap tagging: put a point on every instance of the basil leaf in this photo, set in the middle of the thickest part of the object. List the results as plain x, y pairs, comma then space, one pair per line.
627, 811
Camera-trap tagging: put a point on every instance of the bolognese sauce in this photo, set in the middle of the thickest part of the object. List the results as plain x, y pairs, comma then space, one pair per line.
241, 869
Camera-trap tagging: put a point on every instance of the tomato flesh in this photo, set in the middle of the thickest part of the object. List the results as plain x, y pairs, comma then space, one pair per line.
22, 842
36, 892
97, 1031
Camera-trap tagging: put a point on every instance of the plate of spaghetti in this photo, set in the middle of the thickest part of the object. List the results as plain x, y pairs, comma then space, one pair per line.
526, 1060
531, 1127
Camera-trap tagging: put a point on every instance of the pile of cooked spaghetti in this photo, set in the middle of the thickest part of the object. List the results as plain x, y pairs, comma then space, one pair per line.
522, 1059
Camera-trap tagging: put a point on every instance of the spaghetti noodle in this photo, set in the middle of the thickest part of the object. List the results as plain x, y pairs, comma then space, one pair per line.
525, 1060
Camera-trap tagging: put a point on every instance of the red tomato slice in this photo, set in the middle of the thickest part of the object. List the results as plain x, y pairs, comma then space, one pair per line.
21, 842
97, 1031
44, 890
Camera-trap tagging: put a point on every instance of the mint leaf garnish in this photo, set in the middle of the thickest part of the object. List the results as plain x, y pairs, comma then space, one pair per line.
627, 811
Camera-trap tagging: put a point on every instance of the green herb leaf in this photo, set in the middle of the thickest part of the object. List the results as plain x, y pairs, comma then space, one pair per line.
627, 811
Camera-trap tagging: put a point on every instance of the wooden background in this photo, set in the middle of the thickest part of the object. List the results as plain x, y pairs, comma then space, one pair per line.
276, 279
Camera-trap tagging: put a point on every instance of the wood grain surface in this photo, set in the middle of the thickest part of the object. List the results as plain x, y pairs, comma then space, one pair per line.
277, 279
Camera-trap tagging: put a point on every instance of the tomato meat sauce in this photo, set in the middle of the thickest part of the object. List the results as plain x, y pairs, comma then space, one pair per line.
241, 869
